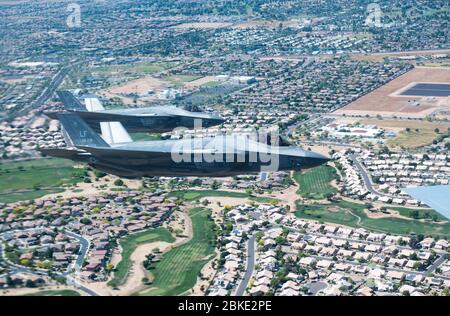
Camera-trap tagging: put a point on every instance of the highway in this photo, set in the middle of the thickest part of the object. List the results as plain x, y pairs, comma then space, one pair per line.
249, 267
51, 88
48, 91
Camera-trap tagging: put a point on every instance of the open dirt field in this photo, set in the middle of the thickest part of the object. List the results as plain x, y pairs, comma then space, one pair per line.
386, 100
142, 85
146, 84
139, 86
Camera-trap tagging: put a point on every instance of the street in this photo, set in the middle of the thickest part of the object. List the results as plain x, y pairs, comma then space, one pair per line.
249, 267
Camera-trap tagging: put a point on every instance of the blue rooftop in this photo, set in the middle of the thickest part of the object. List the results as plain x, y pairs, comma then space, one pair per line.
437, 197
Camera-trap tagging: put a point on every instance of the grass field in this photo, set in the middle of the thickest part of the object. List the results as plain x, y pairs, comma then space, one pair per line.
352, 214
192, 195
55, 293
135, 69
315, 183
180, 80
177, 272
427, 214
129, 244
410, 134
137, 137
32, 179
212, 84
413, 138
322, 213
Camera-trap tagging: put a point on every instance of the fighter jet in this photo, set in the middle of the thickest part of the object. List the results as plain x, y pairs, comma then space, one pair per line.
158, 119
218, 156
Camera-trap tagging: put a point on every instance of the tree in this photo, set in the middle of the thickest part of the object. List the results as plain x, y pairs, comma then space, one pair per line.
414, 214
109, 267
85, 221
30, 283
118, 182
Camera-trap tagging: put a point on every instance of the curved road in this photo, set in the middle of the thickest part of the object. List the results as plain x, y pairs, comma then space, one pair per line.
249, 267
84, 248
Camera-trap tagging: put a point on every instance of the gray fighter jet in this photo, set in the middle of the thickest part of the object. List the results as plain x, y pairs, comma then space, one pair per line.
218, 156
158, 119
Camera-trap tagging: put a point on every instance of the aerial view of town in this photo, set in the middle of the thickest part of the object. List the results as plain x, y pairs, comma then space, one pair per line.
225, 148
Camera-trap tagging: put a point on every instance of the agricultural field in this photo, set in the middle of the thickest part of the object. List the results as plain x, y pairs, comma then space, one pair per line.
316, 183
178, 269
32, 179
129, 244
354, 215
193, 195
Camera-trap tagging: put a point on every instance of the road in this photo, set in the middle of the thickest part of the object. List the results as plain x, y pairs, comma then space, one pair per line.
71, 281
365, 176
48, 91
84, 248
240, 291
51, 88
250, 266
353, 263
437, 263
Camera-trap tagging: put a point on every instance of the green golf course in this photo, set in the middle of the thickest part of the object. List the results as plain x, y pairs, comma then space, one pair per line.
315, 183
178, 269
129, 244
353, 214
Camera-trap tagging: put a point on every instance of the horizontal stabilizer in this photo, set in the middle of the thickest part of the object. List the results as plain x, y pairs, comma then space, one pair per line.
114, 133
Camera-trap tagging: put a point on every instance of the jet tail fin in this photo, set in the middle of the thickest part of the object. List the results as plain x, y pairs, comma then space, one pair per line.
79, 132
69, 101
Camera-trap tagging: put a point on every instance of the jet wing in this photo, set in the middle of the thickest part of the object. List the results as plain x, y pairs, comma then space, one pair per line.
123, 153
